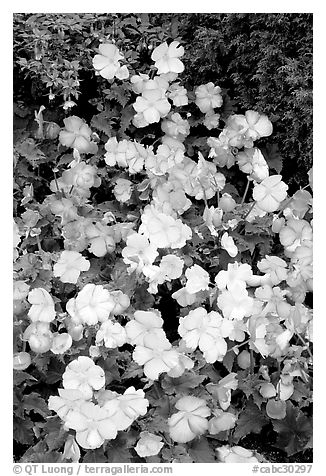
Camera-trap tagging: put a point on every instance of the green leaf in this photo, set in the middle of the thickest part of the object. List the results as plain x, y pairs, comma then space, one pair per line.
201, 452
251, 420
117, 453
273, 157
294, 431
23, 431
187, 381
95, 456
33, 402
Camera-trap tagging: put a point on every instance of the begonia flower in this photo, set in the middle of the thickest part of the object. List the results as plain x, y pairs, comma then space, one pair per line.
197, 279
101, 239
211, 120
236, 273
139, 251
61, 343
220, 151
208, 97
67, 401
203, 330
190, 421
125, 409
121, 302
145, 323
222, 421
222, 390
138, 82
42, 305
39, 336
93, 304
156, 355
184, 363
82, 176
176, 127
235, 303
77, 135
227, 243
152, 105
270, 193
252, 126
235, 454
178, 94
166, 57
171, 267
184, 298
162, 230
82, 374
107, 62
275, 267
252, 162
122, 190
148, 444
295, 233
21, 289
112, 333
21, 360
69, 266
93, 425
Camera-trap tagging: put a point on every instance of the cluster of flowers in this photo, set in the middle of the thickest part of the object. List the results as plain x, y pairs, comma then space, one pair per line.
94, 423
267, 309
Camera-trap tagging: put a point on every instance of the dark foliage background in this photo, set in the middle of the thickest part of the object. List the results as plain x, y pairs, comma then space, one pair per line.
264, 61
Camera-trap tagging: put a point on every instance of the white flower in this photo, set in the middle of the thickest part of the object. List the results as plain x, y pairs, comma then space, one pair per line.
82, 374
139, 252
148, 444
61, 343
171, 267
236, 273
235, 303
39, 336
145, 323
176, 127
228, 245
197, 279
113, 334
190, 421
178, 94
121, 302
152, 105
222, 390
199, 328
122, 190
100, 239
125, 409
69, 266
20, 290
166, 57
275, 267
270, 193
156, 355
93, 304
93, 425
107, 62
222, 421
42, 305
252, 162
67, 401
162, 230
235, 454
208, 97
184, 298
184, 363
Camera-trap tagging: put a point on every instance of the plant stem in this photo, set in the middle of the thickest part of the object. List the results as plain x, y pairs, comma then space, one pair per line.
245, 192
252, 206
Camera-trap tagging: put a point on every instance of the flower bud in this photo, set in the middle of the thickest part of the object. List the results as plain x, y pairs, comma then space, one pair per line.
243, 359
227, 203
52, 130
22, 360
